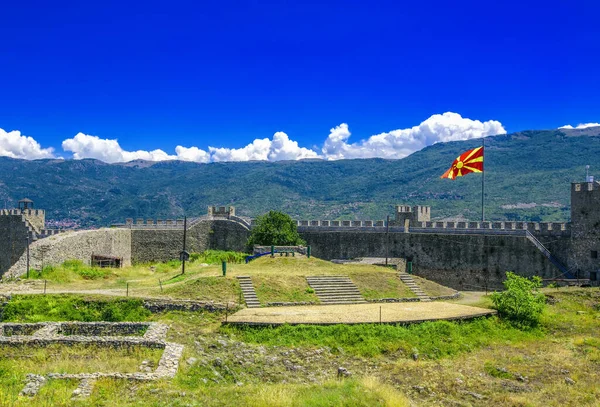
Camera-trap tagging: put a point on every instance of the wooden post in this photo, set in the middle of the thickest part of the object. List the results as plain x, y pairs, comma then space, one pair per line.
160, 283
127, 285
45, 282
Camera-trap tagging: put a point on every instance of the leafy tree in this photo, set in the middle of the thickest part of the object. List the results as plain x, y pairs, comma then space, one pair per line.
522, 303
275, 228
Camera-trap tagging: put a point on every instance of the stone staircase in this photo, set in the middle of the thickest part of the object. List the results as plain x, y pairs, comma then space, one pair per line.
335, 290
410, 283
248, 291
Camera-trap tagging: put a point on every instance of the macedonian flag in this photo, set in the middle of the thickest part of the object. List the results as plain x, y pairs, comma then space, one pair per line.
470, 161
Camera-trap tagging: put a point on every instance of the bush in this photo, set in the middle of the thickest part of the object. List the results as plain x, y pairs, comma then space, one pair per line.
521, 303
275, 228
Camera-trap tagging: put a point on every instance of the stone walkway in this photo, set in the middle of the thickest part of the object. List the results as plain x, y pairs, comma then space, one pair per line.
408, 312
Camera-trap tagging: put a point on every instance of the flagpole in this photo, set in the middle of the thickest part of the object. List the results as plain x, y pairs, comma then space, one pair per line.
483, 180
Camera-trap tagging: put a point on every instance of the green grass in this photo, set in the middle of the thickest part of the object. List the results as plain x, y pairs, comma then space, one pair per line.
484, 356
206, 289
278, 279
63, 307
218, 256
283, 288
431, 340
71, 270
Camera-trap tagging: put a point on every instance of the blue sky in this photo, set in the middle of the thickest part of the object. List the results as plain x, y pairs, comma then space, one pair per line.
156, 75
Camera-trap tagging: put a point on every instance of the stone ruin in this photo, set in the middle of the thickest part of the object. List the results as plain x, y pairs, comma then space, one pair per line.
104, 334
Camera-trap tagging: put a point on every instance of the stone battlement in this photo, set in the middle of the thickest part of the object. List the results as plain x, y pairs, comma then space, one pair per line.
542, 228
225, 211
154, 224
585, 186
27, 212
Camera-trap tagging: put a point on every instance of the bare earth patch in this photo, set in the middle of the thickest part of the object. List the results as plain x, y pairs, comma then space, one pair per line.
357, 313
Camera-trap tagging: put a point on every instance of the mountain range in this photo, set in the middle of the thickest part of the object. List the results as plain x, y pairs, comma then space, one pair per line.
527, 177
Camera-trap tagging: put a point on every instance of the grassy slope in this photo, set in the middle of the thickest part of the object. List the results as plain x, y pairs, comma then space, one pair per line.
457, 364
279, 279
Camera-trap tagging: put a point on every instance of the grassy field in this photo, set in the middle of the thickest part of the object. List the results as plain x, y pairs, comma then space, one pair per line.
476, 363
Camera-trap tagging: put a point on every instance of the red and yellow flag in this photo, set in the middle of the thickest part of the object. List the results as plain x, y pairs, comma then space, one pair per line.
470, 161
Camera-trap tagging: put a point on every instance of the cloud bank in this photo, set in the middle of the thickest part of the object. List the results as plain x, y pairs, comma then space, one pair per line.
15, 145
393, 144
580, 126
401, 143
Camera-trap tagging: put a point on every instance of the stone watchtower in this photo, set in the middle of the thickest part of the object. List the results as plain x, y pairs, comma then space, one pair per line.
585, 229
407, 215
221, 211
35, 217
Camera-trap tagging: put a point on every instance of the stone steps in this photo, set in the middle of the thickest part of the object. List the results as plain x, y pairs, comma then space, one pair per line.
335, 290
248, 291
410, 283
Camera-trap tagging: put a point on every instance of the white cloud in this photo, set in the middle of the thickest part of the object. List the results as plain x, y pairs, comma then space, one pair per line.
394, 144
580, 126
192, 154
280, 148
15, 145
400, 143
84, 146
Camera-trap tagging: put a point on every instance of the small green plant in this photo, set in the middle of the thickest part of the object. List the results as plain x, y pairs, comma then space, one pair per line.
310, 290
521, 303
496, 371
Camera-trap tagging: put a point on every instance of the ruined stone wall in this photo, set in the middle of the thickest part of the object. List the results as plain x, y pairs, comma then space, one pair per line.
13, 240
79, 245
463, 262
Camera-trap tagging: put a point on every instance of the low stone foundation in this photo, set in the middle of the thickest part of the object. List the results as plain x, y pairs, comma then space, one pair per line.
107, 334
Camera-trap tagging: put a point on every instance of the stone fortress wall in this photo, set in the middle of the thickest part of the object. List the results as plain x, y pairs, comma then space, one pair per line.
464, 255
80, 245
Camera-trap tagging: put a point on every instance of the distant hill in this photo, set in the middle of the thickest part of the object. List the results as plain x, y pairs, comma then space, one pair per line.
527, 178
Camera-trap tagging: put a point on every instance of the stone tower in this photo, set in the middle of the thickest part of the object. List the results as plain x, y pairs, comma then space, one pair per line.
412, 214
585, 229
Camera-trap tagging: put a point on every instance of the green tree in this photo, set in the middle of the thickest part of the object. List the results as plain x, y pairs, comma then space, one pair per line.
275, 228
522, 302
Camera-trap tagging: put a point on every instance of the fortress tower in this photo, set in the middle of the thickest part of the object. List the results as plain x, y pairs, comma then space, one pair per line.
585, 229
35, 217
412, 214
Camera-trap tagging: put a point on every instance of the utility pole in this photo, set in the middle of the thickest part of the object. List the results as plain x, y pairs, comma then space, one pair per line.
387, 240
183, 253
27, 255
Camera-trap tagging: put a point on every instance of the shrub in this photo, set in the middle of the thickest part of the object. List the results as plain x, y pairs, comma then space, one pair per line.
275, 228
521, 303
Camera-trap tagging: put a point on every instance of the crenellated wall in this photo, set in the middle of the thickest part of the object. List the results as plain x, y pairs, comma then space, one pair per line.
461, 261
560, 229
